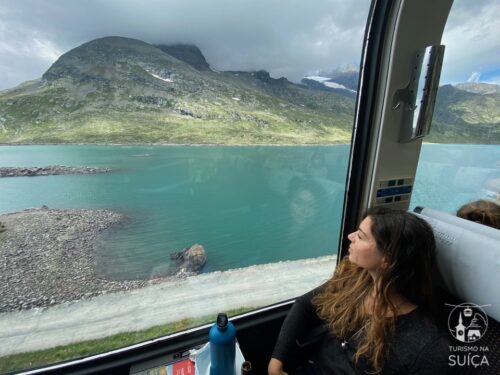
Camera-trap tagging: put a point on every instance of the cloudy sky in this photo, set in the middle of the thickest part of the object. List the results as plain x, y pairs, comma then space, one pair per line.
288, 38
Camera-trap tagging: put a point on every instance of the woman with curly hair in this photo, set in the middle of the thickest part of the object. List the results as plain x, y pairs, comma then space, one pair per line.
377, 307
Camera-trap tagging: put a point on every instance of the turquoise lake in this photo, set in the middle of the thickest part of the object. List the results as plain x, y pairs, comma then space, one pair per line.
245, 205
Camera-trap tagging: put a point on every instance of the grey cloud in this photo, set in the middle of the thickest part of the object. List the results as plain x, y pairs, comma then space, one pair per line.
471, 39
286, 37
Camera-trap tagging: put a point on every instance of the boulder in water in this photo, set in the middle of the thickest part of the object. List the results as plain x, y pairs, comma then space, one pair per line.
190, 260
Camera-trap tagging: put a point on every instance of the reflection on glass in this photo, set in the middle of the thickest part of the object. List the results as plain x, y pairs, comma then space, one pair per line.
448, 176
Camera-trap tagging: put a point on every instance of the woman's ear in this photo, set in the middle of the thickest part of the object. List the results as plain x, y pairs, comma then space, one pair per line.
384, 264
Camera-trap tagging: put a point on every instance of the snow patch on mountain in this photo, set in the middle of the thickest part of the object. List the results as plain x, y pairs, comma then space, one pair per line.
163, 79
326, 81
318, 78
334, 85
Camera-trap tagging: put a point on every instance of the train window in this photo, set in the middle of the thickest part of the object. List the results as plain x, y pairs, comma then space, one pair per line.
460, 159
164, 162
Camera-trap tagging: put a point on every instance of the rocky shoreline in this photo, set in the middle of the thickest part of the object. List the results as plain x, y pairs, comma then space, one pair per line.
48, 171
47, 257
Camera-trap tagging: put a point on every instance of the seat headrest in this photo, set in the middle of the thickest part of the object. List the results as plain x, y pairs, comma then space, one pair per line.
468, 259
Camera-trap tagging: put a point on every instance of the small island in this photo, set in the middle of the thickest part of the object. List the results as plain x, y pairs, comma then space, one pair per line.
48, 171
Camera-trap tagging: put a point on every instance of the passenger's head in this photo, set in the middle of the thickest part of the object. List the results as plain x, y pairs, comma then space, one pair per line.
398, 248
305, 199
394, 251
481, 211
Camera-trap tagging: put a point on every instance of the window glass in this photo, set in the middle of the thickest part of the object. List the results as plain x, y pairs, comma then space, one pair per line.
460, 160
164, 161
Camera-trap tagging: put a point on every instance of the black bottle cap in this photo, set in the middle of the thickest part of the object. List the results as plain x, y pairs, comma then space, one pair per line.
222, 321
246, 368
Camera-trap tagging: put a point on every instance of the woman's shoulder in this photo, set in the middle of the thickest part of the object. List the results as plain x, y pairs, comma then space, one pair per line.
420, 342
419, 327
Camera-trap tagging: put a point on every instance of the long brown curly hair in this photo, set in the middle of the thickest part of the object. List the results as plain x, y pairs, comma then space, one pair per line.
408, 246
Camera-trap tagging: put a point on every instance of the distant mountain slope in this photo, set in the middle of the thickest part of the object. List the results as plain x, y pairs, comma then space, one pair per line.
479, 87
465, 117
121, 90
464, 113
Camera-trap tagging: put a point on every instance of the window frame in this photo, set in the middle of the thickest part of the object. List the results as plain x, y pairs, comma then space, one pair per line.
172, 345
369, 84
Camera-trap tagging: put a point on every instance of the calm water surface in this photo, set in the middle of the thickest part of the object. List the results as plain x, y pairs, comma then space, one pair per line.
245, 205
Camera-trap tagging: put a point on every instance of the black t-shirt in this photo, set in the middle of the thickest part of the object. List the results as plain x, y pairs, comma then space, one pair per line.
418, 345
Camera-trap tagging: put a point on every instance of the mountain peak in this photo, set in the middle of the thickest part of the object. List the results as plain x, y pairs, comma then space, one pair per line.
188, 53
101, 58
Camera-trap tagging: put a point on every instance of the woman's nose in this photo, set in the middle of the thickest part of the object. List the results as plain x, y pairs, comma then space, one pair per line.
350, 236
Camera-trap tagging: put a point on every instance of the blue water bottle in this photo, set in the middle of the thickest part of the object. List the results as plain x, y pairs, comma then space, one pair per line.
222, 339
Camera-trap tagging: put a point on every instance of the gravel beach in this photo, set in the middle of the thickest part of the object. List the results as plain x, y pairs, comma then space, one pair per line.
47, 257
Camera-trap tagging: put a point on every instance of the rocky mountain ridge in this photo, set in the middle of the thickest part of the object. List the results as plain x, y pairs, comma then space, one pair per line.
122, 90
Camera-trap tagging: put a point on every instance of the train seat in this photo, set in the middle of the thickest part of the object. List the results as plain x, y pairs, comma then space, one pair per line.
468, 262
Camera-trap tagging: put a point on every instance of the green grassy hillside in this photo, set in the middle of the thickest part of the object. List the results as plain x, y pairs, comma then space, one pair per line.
126, 91
120, 90
465, 117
